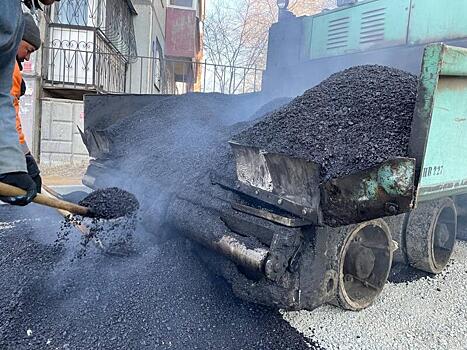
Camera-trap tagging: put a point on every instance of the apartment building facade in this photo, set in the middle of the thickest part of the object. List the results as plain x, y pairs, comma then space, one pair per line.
100, 47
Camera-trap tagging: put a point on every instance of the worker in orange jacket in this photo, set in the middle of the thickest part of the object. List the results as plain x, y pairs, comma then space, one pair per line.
13, 169
30, 42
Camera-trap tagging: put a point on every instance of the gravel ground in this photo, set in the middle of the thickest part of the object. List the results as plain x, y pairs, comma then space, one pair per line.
429, 313
162, 297
66, 170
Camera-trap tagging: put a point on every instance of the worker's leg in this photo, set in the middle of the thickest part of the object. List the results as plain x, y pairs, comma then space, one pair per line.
11, 28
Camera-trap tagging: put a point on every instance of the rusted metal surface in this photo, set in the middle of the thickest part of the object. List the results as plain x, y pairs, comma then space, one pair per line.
268, 215
387, 189
180, 32
291, 184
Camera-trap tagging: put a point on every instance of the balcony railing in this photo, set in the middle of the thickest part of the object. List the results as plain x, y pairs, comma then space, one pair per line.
80, 66
112, 18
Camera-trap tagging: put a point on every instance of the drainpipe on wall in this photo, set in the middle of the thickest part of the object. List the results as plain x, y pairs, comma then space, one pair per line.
151, 46
37, 98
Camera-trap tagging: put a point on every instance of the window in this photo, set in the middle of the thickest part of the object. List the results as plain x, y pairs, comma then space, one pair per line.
73, 12
182, 3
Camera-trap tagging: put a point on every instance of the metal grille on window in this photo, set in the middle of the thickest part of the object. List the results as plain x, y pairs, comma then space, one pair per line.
111, 18
72, 12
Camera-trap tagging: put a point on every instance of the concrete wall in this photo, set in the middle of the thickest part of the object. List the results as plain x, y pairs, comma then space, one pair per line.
149, 24
60, 139
149, 28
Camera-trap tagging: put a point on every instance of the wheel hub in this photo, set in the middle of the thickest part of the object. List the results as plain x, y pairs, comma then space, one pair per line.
361, 261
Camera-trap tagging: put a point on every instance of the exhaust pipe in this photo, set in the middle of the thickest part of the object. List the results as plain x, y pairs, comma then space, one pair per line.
206, 228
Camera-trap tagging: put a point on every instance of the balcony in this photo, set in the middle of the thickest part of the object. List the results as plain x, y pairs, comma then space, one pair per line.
84, 53
87, 46
74, 71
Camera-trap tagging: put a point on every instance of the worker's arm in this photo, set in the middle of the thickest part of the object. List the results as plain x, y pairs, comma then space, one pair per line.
12, 160
10, 26
17, 90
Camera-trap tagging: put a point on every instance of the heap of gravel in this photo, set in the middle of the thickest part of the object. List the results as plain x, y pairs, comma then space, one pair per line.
161, 298
425, 314
111, 203
353, 120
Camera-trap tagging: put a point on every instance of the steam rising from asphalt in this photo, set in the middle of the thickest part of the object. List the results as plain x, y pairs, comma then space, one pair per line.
160, 295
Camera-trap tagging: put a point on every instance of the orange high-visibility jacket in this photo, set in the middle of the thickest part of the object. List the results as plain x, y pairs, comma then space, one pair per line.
16, 93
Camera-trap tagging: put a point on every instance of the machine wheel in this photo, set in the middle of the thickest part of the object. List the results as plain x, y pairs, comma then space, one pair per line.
365, 259
461, 207
431, 235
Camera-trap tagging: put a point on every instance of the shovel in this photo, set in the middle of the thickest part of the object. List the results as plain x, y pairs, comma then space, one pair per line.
11, 191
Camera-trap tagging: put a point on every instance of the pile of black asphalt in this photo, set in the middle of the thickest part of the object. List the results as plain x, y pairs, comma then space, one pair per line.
162, 297
180, 138
110, 203
351, 121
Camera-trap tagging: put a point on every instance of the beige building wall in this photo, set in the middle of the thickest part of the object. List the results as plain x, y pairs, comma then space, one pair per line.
150, 37
60, 118
60, 138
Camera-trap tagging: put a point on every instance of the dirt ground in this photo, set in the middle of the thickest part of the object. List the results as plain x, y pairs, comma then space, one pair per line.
67, 174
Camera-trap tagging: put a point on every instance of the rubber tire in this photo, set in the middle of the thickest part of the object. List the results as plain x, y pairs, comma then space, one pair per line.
419, 234
344, 234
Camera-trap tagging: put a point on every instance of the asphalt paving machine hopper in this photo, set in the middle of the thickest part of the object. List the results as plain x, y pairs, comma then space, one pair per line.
303, 242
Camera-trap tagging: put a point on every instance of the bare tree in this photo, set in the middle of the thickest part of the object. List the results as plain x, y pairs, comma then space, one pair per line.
310, 7
236, 39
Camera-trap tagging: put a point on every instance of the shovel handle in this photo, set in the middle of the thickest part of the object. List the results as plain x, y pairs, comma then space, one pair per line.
12, 191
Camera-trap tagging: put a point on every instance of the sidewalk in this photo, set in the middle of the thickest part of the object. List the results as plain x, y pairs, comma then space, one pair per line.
63, 175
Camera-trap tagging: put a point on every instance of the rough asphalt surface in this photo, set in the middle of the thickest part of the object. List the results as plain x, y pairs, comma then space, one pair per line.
175, 140
161, 297
110, 203
353, 120
176, 144
402, 273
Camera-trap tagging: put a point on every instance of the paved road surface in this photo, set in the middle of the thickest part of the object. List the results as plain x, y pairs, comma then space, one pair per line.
162, 297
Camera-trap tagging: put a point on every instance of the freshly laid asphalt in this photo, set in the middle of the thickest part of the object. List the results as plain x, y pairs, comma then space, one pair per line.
160, 297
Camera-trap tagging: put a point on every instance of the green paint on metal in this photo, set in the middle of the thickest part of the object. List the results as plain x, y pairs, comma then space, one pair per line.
435, 20
397, 180
394, 177
376, 24
440, 120
369, 189
446, 150
431, 66
307, 23
367, 25
454, 61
